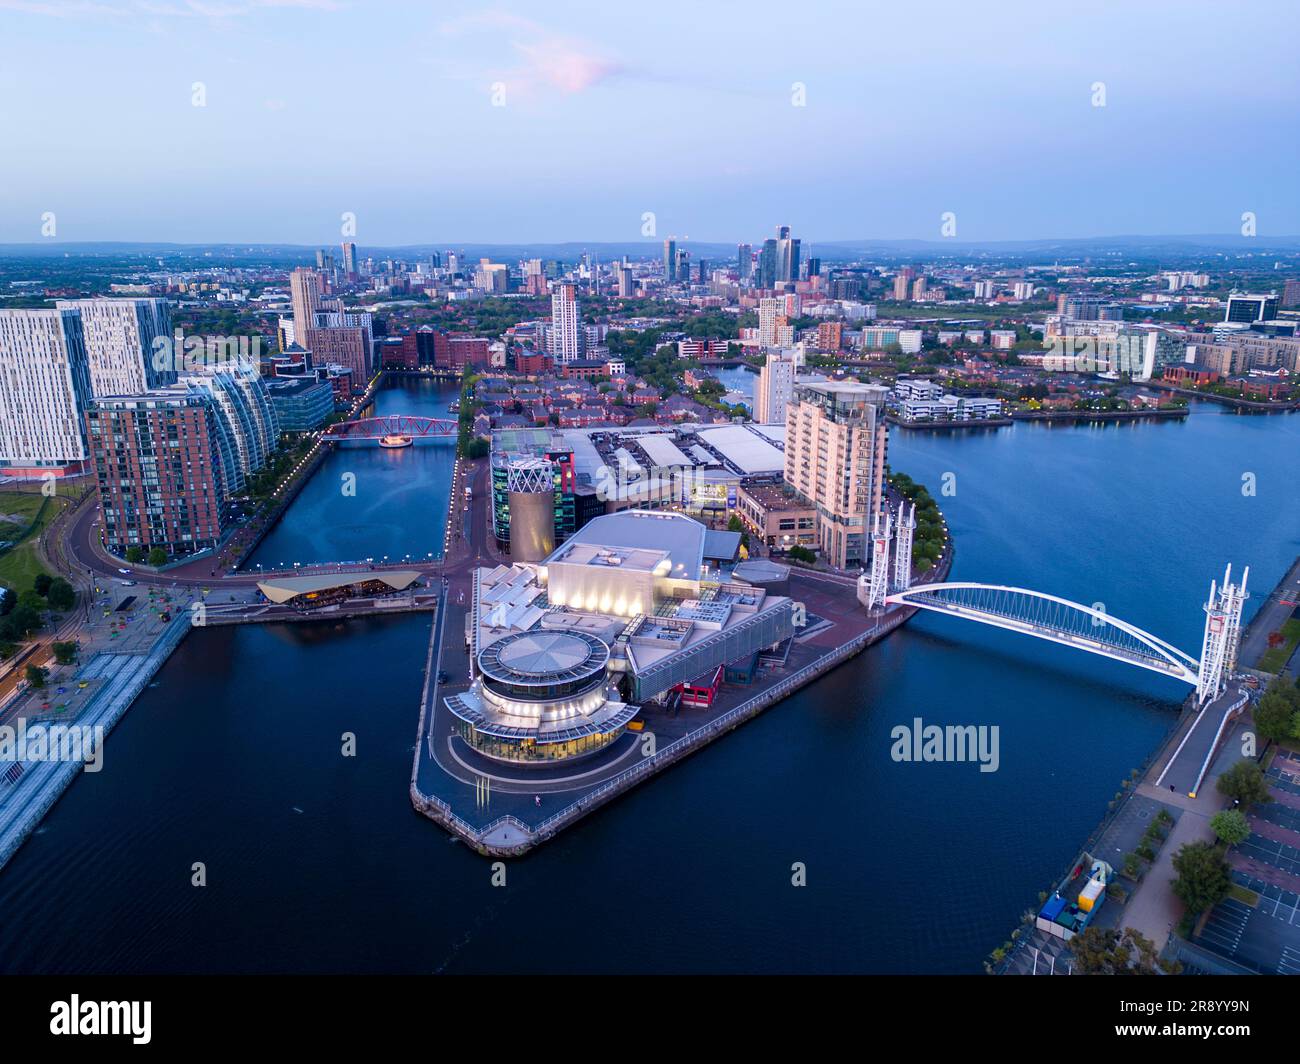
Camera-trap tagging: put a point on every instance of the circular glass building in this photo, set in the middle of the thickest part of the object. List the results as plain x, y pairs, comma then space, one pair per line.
541, 696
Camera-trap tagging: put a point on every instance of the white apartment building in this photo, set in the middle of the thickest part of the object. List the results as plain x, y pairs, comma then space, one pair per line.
908, 388
775, 386
773, 330
566, 338
120, 337
950, 408
44, 390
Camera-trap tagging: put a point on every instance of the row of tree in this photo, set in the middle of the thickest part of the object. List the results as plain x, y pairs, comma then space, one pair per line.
24, 613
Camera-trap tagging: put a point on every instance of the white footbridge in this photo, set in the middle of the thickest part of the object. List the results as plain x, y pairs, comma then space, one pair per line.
1058, 620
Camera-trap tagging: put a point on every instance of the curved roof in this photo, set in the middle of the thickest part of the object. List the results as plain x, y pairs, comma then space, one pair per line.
282, 589
542, 658
678, 536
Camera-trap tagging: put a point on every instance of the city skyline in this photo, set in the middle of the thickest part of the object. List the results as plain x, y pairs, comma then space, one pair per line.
713, 132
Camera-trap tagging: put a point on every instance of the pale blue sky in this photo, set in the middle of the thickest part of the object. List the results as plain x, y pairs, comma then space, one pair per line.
384, 108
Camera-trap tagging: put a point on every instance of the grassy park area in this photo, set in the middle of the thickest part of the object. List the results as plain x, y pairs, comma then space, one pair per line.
1274, 658
24, 514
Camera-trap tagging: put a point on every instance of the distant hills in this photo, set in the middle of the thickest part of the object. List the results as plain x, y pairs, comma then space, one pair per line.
1133, 246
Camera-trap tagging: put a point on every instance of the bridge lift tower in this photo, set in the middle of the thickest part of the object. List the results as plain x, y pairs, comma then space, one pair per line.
1222, 635
873, 585
903, 545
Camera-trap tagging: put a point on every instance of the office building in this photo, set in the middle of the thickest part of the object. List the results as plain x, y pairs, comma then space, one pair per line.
350, 259
626, 282
836, 444
787, 255
767, 265
1246, 308
670, 260
744, 263
301, 404
44, 390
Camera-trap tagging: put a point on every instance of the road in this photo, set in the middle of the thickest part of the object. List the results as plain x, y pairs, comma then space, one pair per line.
1270, 617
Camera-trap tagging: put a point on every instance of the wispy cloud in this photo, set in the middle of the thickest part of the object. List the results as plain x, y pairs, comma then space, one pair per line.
544, 58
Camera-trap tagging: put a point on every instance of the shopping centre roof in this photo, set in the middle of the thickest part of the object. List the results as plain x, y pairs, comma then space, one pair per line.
749, 451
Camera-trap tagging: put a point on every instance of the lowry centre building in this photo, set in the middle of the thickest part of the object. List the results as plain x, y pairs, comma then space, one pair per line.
628, 609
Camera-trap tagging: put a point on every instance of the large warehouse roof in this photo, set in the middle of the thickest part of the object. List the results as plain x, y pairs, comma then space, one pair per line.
663, 452
747, 450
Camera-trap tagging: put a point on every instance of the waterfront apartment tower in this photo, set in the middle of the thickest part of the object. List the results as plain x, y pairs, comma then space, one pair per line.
157, 460
835, 452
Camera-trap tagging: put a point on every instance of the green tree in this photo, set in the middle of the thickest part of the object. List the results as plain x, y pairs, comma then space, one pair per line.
20, 623
1110, 951
1231, 826
1277, 712
65, 653
1203, 876
1246, 783
157, 557
36, 676
41, 585
62, 596
801, 554
134, 554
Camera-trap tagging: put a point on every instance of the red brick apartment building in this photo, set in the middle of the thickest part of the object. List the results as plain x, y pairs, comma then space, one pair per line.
158, 466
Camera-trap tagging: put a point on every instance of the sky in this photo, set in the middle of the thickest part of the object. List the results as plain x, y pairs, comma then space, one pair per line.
437, 123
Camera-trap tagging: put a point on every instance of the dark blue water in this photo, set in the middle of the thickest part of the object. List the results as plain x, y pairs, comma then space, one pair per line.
739, 379
910, 867
399, 505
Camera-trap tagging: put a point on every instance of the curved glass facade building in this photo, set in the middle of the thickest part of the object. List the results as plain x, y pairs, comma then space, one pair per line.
247, 425
541, 696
